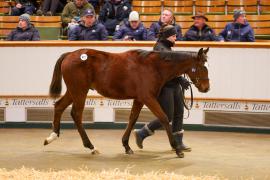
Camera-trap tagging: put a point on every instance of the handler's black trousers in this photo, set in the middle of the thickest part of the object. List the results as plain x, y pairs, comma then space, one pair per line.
171, 101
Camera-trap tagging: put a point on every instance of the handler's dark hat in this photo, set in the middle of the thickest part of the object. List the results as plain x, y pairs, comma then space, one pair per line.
168, 31
200, 14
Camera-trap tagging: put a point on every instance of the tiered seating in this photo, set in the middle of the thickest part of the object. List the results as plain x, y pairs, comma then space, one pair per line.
261, 25
265, 6
211, 7
179, 7
149, 19
250, 6
49, 26
147, 7
4, 8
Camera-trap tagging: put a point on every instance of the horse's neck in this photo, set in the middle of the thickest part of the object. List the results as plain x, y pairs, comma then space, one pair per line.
177, 68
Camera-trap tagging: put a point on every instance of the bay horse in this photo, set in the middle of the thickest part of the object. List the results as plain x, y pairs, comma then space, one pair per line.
135, 74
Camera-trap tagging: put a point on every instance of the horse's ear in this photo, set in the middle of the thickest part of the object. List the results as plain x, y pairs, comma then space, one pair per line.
200, 52
206, 51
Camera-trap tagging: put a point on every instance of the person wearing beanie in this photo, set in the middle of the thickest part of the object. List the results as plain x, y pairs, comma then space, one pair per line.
239, 30
200, 31
131, 30
113, 13
170, 97
166, 18
25, 30
89, 28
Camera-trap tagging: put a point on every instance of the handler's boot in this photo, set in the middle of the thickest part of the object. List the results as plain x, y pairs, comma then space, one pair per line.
178, 136
141, 134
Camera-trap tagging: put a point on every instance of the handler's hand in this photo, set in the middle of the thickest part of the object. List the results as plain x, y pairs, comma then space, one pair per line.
184, 83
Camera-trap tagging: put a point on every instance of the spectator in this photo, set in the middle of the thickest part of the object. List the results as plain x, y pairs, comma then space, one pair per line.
89, 28
166, 17
113, 13
25, 30
24, 6
131, 30
50, 7
200, 31
239, 30
72, 12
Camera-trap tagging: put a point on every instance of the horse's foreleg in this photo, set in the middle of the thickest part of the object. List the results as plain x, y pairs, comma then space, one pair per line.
156, 109
59, 108
76, 114
134, 114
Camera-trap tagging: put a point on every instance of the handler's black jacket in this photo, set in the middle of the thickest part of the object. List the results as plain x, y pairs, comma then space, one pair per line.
166, 45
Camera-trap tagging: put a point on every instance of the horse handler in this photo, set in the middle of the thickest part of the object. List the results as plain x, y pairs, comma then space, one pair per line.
170, 97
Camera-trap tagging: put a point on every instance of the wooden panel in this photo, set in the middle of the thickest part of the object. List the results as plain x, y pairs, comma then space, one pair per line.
149, 18
9, 18
210, 3
122, 115
4, 4
220, 18
4, 32
211, 10
259, 24
46, 114
2, 114
237, 119
242, 2
177, 3
185, 25
262, 31
183, 18
4, 10
146, 3
145, 10
40, 24
181, 10
258, 17
48, 19
8, 25
265, 2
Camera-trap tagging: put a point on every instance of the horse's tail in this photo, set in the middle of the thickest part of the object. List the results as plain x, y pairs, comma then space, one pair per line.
56, 83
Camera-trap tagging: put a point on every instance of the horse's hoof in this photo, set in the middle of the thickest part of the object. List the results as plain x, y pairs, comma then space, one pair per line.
45, 142
94, 151
129, 151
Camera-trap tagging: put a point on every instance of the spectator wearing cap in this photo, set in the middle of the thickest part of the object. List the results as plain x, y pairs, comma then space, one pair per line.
73, 10
89, 28
113, 13
24, 6
200, 31
25, 30
131, 30
239, 30
166, 18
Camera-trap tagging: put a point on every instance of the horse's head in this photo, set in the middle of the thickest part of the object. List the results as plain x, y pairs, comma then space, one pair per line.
198, 73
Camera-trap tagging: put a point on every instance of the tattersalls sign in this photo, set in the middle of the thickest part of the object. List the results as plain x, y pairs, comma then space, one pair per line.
105, 107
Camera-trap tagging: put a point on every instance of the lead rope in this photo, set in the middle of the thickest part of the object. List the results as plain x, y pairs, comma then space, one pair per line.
188, 108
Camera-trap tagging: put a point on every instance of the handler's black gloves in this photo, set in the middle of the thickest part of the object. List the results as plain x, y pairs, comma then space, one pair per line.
183, 82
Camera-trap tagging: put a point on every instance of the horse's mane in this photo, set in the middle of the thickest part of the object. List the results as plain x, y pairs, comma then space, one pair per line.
169, 55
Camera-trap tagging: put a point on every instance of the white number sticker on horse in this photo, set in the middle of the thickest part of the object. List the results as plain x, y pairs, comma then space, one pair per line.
84, 57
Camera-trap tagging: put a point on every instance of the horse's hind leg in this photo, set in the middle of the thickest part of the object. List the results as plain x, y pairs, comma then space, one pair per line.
76, 114
59, 108
135, 111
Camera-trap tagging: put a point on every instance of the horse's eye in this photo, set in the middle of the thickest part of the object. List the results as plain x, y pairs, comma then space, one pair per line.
193, 70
